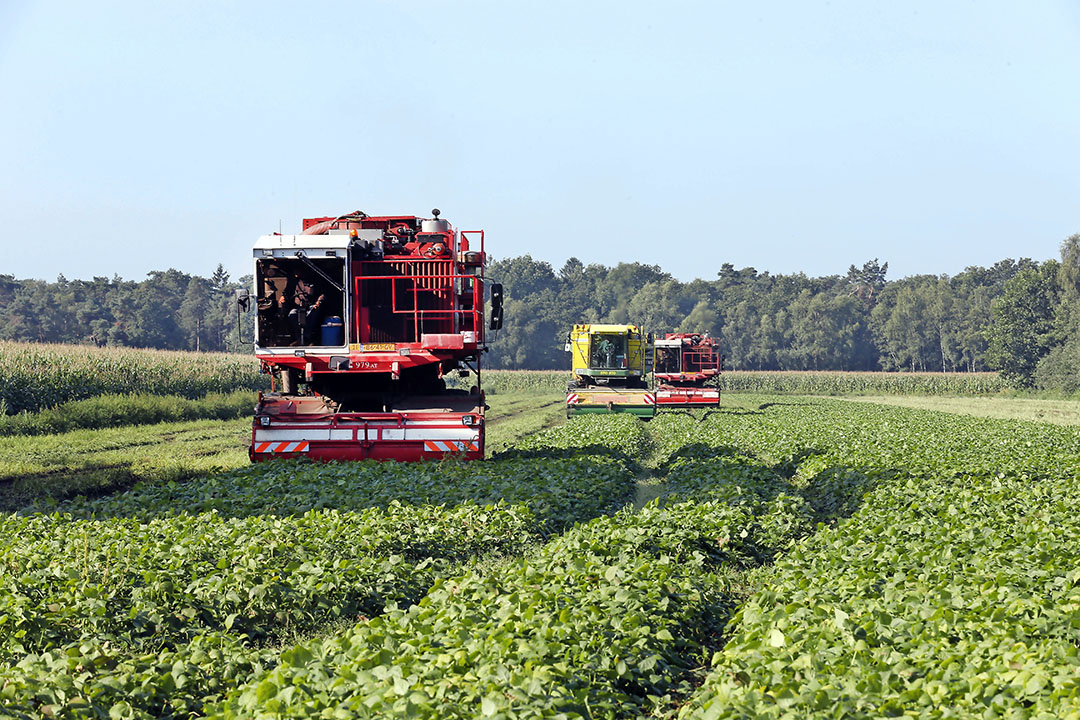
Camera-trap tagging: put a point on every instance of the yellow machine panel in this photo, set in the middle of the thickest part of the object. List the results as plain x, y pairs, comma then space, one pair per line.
609, 363
608, 352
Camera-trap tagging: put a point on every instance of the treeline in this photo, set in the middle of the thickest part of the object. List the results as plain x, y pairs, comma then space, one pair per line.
169, 310
1020, 317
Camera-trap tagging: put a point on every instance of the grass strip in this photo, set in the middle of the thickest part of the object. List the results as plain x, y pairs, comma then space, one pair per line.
105, 411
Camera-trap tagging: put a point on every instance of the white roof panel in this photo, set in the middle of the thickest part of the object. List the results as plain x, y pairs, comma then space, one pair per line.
302, 242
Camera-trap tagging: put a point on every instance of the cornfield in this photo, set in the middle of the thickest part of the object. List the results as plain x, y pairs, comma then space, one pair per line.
523, 381
863, 383
785, 382
36, 376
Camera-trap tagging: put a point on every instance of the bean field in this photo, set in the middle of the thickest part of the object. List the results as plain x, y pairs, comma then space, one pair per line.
782, 556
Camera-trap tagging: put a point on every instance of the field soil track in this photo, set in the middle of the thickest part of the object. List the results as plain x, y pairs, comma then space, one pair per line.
1059, 412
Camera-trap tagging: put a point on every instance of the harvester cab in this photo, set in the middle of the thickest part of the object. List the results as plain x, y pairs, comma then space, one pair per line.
686, 371
610, 365
359, 318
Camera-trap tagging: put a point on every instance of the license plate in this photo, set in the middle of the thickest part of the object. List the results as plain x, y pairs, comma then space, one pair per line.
372, 347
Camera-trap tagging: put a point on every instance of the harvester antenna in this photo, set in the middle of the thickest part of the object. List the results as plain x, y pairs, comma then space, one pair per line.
435, 212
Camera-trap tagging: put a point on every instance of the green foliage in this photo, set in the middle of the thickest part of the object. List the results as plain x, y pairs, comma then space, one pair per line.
169, 579
942, 599
168, 310
772, 322
46, 468
1023, 322
863, 383
620, 435
33, 376
156, 601
559, 490
859, 321
1059, 371
948, 591
602, 622
923, 564
96, 679
105, 411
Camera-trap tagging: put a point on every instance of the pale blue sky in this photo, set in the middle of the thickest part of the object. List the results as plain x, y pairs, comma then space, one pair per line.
787, 136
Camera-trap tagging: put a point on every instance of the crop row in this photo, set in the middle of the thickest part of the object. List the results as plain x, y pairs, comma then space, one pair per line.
948, 598
559, 490
618, 616
807, 437
164, 581
149, 602
166, 560
950, 591
608, 620
35, 376
621, 436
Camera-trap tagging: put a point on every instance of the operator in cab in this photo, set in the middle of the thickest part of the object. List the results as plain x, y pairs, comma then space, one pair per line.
306, 311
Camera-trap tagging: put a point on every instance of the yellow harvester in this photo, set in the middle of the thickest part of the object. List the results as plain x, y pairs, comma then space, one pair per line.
610, 364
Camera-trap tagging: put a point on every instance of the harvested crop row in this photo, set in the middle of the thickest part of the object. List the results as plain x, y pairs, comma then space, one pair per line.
959, 597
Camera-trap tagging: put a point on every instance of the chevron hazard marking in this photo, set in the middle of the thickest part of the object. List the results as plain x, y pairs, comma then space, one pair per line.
451, 446
572, 399
282, 447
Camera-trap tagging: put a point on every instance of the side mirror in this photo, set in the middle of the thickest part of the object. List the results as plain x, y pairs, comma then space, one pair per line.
243, 300
496, 306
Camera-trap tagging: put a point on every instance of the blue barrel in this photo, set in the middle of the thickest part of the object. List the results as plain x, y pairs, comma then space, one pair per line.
333, 331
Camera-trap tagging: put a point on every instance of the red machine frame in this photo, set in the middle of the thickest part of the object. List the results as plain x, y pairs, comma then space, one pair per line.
437, 326
699, 361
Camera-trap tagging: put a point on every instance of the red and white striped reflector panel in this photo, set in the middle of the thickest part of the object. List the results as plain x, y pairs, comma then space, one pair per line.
282, 447
572, 399
451, 446
650, 399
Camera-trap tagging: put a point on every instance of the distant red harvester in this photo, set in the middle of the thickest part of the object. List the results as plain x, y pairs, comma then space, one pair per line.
683, 366
359, 318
